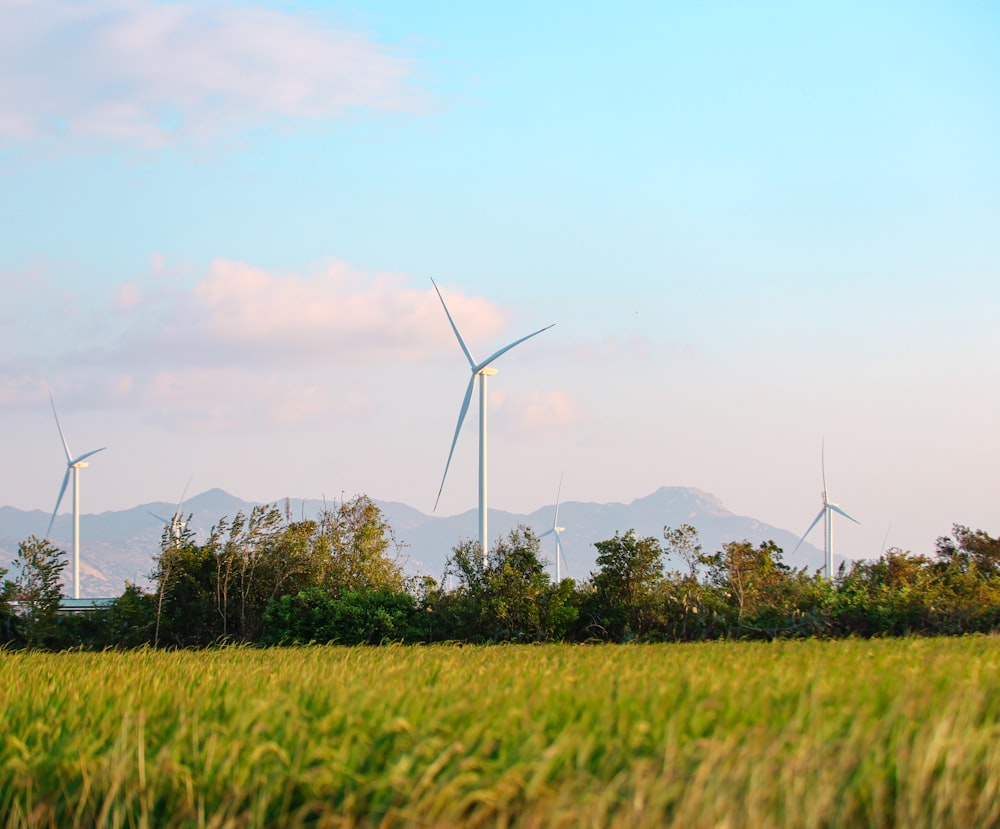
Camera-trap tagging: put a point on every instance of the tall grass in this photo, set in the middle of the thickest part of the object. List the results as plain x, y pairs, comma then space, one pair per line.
803, 734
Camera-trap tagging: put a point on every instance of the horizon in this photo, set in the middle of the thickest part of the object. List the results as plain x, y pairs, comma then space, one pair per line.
755, 230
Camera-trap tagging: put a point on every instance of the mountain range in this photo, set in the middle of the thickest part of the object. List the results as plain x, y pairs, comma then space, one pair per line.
121, 545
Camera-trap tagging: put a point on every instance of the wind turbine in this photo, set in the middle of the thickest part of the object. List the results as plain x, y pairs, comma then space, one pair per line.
176, 522
73, 465
556, 530
826, 513
481, 371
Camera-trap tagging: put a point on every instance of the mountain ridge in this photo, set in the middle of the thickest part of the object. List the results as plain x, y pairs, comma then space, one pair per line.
120, 545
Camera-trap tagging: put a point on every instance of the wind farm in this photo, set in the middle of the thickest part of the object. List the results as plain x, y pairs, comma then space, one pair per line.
230, 230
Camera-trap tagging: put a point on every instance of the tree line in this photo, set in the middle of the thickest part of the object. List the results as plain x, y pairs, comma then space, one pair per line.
262, 578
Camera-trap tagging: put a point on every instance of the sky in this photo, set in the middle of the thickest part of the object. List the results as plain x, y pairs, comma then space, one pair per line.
764, 232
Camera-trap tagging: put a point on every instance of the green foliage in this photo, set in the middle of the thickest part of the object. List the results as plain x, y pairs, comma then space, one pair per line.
38, 590
258, 558
755, 581
219, 590
970, 551
627, 586
185, 578
353, 618
131, 618
511, 598
7, 593
900, 593
362, 552
263, 578
682, 543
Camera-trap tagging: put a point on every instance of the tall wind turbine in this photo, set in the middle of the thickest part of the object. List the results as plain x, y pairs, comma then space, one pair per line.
73, 465
826, 513
481, 371
556, 530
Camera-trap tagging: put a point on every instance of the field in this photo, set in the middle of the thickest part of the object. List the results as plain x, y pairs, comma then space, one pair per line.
798, 734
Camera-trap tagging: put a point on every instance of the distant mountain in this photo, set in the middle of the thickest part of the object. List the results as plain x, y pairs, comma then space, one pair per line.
119, 546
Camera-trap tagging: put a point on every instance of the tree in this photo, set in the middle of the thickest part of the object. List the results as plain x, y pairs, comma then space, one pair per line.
683, 543
38, 589
626, 585
130, 618
362, 554
258, 558
220, 589
971, 549
186, 595
754, 580
509, 598
683, 602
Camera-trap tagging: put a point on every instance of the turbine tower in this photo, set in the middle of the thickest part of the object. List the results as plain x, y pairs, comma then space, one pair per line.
556, 530
826, 513
73, 465
481, 371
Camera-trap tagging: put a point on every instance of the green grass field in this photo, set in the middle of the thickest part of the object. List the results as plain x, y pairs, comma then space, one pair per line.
797, 734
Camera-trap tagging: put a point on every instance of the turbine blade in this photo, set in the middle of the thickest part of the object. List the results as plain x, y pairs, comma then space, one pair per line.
454, 440
507, 348
62, 491
816, 520
69, 454
822, 462
839, 511
180, 504
461, 342
160, 518
547, 532
555, 521
87, 455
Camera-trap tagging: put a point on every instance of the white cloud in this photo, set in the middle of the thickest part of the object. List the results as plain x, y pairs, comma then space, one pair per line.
337, 315
243, 344
150, 73
548, 410
129, 297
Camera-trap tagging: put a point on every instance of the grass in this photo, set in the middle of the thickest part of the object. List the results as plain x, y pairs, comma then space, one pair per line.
805, 734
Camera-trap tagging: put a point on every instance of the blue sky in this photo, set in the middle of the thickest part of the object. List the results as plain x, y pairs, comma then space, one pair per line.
756, 227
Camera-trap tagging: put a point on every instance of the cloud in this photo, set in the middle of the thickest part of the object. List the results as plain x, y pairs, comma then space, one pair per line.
150, 74
548, 410
241, 344
129, 297
336, 315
